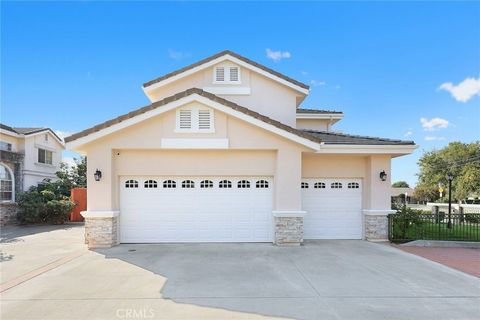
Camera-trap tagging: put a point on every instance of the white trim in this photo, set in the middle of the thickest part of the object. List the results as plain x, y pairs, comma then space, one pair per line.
323, 116
193, 143
289, 214
40, 173
99, 214
372, 212
228, 90
367, 149
221, 59
12, 200
180, 102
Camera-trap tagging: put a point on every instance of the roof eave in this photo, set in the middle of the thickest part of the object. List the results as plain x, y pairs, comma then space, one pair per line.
391, 149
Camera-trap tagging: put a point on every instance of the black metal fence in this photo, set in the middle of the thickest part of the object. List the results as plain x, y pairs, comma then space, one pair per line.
404, 227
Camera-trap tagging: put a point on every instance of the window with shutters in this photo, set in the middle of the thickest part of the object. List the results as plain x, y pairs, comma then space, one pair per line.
226, 73
150, 184
206, 184
319, 185
188, 184
195, 119
225, 184
131, 184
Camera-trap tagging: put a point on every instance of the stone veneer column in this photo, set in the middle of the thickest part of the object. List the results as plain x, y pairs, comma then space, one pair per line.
376, 224
288, 228
101, 228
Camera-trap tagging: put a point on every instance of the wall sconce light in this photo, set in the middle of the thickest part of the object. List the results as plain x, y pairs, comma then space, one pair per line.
97, 175
383, 176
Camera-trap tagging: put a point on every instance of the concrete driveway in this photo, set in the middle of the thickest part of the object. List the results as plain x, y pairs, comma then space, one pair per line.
321, 280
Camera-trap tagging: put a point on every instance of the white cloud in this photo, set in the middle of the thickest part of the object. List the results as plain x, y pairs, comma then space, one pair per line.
434, 138
277, 55
408, 133
178, 55
434, 124
316, 83
463, 91
304, 73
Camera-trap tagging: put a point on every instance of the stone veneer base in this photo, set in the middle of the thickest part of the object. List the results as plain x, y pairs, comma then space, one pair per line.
8, 213
288, 231
376, 227
101, 232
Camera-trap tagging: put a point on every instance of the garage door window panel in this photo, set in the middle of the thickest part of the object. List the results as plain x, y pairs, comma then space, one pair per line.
243, 184
261, 184
304, 185
150, 184
336, 185
319, 185
225, 184
188, 184
131, 184
169, 184
353, 185
205, 184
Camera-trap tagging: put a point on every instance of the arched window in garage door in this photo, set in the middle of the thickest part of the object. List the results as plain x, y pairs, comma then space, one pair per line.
150, 184
188, 184
224, 184
262, 184
169, 184
206, 184
131, 184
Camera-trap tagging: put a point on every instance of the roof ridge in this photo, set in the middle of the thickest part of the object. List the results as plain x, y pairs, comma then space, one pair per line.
356, 136
219, 54
184, 94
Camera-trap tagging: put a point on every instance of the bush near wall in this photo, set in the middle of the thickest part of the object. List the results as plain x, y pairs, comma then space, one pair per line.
44, 204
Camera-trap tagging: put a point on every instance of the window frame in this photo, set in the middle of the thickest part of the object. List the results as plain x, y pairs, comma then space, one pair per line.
8, 146
46, 152
262, 184
150, 184
304, 185
336, 185
319, 185
243, 184
188, 184
131, 184
195, 120
206, 184
226, 74
12, 184
225, 184
353, 185
169, 184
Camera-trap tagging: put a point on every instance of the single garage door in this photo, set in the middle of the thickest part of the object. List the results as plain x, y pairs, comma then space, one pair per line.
193, 209
334, 208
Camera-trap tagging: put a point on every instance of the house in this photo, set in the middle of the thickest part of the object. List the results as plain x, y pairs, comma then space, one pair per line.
29, 156
399, 194
225, 153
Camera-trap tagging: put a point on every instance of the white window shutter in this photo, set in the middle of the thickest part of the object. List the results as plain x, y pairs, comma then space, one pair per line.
220, 74
234, 74
185, 119
204, 119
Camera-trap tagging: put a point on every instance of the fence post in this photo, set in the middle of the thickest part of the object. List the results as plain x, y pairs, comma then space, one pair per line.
436, 216
460, 214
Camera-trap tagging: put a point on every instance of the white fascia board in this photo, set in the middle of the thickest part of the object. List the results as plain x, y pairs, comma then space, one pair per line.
175, 104
221, 59
322, 116
192, 143
10, 133
366, 149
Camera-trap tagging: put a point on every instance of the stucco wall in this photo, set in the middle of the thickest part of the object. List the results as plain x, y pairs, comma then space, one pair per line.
12, 140
137, 150
266, 97
313, 124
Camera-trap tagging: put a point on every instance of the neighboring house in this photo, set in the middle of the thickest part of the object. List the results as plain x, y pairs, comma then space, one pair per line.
224, 154
29, 156
399, 194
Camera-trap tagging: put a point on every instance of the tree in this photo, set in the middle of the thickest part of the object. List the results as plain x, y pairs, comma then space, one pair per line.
460, 159
400, 184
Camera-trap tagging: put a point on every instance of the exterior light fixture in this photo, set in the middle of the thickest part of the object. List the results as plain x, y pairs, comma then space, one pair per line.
383, 176
97, 175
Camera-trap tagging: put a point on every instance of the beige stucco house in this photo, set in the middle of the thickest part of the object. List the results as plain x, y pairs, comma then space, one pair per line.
29, 156
224, 153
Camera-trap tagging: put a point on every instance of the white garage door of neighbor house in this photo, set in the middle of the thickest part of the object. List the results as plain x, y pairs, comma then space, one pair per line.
334, 208
196, 209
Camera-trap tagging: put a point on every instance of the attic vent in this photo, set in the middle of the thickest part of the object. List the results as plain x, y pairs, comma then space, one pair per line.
220, 74
204, 119
233, 74
185, 119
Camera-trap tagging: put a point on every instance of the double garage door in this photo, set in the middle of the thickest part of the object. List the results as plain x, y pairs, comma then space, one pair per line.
192, 209
231, 209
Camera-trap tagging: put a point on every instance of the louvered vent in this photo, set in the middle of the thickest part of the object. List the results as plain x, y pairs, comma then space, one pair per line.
220, 74
234, 74
204, 119
185, 120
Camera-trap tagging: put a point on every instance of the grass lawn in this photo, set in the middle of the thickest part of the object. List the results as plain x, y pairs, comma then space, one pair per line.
435, 231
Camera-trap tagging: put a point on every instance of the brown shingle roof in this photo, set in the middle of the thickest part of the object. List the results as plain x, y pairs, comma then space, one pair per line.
317, 111
184, 94
222, 53
340, 138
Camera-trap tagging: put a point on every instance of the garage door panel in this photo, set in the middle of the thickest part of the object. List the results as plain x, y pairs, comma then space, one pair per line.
196, 214
333, 213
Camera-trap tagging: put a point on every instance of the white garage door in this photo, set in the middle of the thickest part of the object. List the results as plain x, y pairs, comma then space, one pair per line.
192, 209
334, 208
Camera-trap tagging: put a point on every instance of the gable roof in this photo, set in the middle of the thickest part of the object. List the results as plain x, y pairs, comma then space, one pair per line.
328, 137
29, 131
234, 55
211, 97
316, 111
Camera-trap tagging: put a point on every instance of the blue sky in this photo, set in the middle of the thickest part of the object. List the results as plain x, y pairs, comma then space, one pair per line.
71, 65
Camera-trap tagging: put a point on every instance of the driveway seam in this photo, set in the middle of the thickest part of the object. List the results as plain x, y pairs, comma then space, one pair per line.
35, 273
304, 277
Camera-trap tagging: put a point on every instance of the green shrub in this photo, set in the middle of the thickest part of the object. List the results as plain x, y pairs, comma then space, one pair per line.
43, 206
